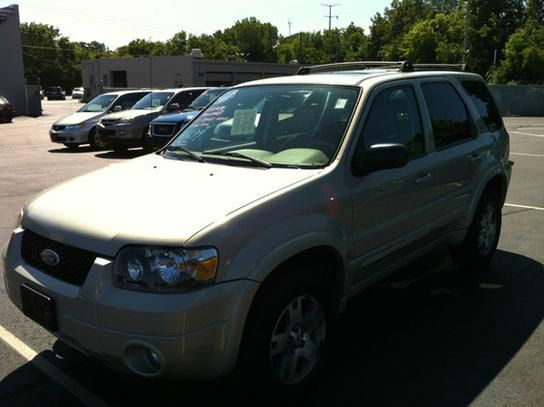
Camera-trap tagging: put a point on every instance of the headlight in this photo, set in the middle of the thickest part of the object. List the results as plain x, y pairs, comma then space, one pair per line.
19, 219
126, 120
75, 126
164, 269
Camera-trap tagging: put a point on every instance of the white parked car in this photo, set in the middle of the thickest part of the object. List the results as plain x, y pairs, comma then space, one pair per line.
78, 93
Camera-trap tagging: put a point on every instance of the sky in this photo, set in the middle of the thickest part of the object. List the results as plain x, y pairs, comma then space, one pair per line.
116, 22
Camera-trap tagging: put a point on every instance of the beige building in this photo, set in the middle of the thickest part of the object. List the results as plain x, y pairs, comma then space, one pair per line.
173, 71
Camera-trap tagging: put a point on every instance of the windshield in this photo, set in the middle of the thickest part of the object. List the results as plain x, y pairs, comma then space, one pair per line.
281, 125
3, 100
98, 104
205, 99
153, 100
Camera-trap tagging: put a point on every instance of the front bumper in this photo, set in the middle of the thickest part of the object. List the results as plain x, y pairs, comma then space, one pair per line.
70, 136
122, 135
196, 334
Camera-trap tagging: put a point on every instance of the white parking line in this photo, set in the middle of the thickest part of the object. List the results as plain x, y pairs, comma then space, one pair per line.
528, 155
536, 208
526, 134
81, 393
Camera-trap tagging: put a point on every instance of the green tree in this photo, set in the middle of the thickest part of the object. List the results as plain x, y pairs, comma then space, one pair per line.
524, 62
50, 58
257, 41
177, 45
535, 11
436, 40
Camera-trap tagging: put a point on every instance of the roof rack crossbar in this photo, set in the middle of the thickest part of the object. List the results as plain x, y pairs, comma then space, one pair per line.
401, 66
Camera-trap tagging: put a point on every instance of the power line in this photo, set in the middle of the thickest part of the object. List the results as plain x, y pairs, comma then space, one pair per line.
330, 16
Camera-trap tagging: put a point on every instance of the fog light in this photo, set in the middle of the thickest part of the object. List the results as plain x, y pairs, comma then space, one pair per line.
154, 359
143, 360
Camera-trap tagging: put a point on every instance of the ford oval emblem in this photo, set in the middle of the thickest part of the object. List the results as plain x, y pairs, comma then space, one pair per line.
50, 257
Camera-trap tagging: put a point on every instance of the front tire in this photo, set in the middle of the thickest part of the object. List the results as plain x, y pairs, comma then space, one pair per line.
480, 244
287, 333
95, 140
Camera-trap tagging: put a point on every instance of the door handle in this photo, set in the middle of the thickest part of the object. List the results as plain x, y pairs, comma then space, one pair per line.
423, 178
474, 156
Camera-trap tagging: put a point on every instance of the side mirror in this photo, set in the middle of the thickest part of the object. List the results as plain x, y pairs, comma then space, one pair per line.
173, 107
381, 157
117, 108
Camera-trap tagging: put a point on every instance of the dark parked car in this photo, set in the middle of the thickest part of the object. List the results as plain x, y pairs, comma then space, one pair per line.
127, 129
55, 93
163, 128
6, 110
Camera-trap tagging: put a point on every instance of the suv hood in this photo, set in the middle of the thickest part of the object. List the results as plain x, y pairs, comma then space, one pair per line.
149, 200
131, 113
176, 117
78, 117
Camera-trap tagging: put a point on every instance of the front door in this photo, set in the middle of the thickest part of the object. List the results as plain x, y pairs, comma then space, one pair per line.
391, 208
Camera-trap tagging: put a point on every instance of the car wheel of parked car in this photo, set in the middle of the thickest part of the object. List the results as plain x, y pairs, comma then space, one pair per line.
94, 140
287, 333
480, 243
145, 142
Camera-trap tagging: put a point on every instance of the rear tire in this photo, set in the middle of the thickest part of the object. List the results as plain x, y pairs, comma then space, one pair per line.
287, 333
480, 244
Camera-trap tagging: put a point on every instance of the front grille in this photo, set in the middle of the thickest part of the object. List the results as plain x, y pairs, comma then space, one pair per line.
57, 127
163, 129
74, 264
106, 133
109, 122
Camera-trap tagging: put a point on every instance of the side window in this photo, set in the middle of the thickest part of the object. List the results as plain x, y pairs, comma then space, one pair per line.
394, 118
129, 100
184, 99
449, 116
482, 99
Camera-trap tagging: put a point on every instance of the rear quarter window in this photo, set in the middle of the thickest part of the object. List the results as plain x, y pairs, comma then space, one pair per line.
483, 100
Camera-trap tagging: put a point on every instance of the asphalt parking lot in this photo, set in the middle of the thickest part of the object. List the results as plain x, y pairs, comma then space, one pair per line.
430, 336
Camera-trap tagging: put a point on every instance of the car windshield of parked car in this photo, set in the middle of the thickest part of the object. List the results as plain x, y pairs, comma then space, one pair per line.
271, 125
153, 101
98, 104
205, 99
3, 100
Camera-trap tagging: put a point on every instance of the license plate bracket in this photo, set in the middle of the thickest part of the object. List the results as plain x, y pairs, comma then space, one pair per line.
39, 307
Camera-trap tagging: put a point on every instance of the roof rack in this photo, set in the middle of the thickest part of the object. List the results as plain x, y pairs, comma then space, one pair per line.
400, 66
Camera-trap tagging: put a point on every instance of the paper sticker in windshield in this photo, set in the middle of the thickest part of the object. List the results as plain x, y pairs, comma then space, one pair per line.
244, 122
340, 103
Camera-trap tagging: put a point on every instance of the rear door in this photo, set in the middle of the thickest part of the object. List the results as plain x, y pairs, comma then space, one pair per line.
457, 150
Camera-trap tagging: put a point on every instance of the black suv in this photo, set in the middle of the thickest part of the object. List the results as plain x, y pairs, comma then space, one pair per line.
55, 93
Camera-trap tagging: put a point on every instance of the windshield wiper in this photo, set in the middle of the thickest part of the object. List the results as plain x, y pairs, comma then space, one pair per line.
190, 153
258, 161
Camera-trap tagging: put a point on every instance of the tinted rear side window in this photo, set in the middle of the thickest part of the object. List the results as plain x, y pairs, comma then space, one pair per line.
449, 116
485, 104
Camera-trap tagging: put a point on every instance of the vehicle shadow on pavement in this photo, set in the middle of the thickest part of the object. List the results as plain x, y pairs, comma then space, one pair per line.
432, 335
73, 150
126, 154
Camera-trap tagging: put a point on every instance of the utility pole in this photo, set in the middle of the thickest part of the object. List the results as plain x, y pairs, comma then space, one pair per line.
330, 16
